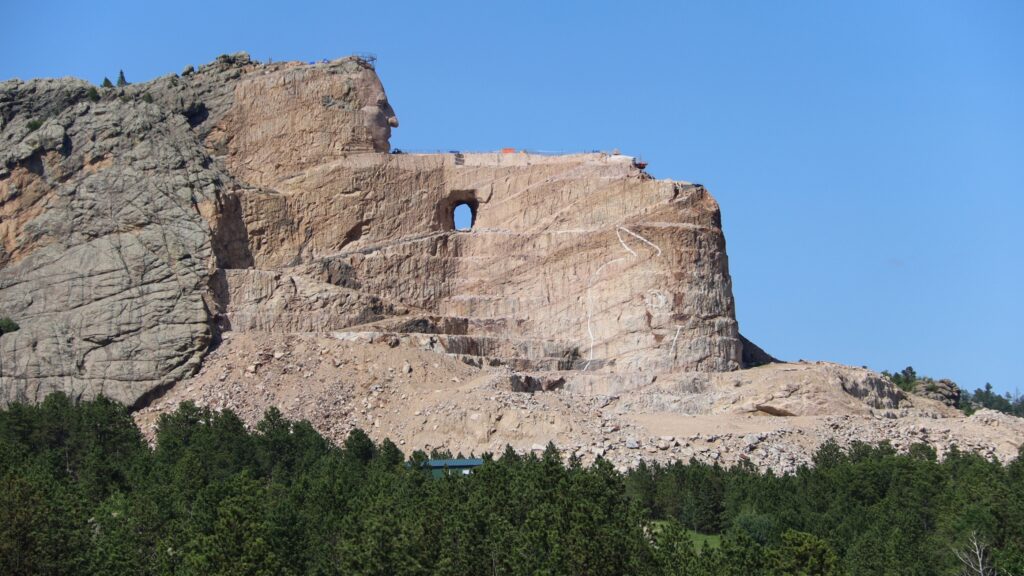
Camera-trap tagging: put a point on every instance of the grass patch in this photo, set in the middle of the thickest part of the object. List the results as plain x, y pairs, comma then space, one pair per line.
700, 540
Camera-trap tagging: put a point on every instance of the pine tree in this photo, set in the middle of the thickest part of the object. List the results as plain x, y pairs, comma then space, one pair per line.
107, 83
802, 553
675, 550
359, 446
121, 82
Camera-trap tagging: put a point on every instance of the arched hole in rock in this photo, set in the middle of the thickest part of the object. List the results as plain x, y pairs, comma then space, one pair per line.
463, 216
451, 212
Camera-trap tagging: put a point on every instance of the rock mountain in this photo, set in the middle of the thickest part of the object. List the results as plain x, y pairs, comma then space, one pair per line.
255, 213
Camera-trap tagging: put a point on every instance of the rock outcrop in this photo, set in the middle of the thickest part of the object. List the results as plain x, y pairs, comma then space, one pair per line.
116, 210
256, 211
945, 391
138, 222
105, 257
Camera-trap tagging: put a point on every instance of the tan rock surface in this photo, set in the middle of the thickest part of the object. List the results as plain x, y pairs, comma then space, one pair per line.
422, 399
255, 208
641, 283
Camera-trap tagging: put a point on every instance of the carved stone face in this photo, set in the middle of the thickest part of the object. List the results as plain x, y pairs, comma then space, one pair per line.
380, 117
301, 116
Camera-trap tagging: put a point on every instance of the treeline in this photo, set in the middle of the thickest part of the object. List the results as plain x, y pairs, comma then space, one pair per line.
967, 401
81, 492
988, 398
869, 509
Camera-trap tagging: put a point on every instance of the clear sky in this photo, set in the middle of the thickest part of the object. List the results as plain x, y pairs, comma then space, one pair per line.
868, 156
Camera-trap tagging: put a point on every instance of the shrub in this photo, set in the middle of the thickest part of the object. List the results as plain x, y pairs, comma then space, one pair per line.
34, 124
8, 325
93, 94
904, 379
147, 98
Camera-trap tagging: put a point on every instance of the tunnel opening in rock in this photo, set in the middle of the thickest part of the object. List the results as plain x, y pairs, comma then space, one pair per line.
458, 211
463, 216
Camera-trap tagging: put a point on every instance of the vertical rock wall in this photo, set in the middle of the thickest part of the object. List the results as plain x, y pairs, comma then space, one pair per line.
136, 223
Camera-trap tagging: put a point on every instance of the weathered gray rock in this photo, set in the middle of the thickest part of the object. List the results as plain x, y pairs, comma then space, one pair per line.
105, 256
753, 355
945, 391
870, 387
114, 213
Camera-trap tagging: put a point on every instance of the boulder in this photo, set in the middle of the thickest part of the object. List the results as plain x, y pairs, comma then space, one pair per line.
945, 391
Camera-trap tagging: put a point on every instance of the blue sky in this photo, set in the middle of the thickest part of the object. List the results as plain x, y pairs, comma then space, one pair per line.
868, 156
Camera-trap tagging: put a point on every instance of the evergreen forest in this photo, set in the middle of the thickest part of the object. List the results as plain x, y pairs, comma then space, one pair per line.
82, 492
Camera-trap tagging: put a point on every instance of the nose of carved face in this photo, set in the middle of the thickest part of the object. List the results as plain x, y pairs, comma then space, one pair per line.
389, 113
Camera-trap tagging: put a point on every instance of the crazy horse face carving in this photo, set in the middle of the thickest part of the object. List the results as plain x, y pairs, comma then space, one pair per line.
379, 117
303, 116
278, 209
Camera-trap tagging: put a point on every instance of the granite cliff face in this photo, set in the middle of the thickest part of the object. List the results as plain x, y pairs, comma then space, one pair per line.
138, 222
241, 236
